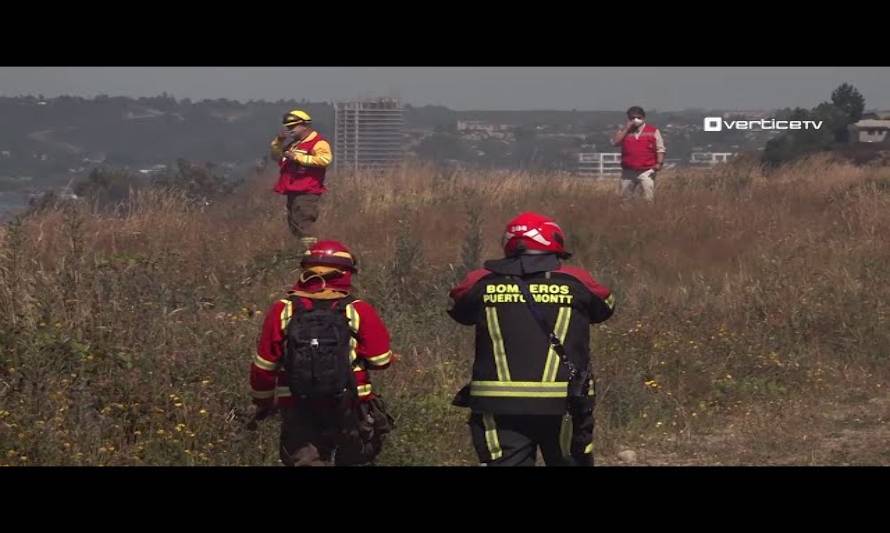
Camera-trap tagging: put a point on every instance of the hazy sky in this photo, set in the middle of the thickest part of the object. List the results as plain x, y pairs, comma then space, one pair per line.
586, 88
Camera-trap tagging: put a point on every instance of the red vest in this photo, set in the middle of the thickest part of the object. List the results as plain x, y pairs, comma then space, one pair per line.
295, 178
639, 154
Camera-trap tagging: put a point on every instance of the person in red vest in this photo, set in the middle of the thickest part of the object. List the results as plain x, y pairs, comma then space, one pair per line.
303, 156
642, 154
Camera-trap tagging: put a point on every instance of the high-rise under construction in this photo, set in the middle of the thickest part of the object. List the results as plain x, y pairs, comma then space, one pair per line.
368, 134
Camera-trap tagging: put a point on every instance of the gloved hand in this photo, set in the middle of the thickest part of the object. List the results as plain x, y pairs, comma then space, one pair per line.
259, 414
462, 398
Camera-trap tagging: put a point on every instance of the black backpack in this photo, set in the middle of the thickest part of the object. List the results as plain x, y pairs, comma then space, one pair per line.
316, 351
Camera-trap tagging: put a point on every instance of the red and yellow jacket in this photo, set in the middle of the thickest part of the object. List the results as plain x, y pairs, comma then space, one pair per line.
370, 349
305, 172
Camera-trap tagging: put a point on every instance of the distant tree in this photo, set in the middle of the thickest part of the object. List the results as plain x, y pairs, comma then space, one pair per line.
835, 123
440, 146
846, 107
199, 181
849, 100
107, 186
788, 145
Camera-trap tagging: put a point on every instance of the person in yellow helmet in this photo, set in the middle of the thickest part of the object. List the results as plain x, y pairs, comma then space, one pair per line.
303, 155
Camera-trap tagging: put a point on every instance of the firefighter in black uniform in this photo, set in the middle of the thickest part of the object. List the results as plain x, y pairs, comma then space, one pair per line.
531, 385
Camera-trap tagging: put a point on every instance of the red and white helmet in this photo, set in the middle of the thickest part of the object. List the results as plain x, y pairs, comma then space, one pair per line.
331, 254
534, 233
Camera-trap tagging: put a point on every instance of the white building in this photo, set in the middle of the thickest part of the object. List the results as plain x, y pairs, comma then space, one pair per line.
869, 131
480, 126
368, 134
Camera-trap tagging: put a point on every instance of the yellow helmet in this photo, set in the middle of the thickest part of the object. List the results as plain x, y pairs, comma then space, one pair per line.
297, 116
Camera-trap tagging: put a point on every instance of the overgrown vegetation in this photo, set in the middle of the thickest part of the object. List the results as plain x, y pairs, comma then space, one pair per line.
751, 325
846, 107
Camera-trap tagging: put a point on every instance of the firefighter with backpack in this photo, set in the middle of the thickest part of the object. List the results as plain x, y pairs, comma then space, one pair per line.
313, 357
531, 385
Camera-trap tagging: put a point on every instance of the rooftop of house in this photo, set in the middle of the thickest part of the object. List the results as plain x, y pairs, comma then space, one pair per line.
872, 123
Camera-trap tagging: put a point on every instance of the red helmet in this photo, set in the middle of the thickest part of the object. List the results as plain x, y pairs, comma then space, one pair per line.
534, 233
329, 253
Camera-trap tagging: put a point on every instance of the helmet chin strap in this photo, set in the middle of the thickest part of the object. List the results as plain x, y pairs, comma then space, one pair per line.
304, 279
323, 277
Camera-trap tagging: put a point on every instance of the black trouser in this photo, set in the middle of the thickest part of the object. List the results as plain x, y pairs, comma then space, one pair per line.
311, 436
513, 440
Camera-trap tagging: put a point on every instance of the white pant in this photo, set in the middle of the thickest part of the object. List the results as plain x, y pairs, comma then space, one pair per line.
635, 180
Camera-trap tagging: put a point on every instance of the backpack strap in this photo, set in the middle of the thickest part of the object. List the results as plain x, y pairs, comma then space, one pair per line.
552, 339
298, 305
338, 305
297, 300
576, 393
341, 303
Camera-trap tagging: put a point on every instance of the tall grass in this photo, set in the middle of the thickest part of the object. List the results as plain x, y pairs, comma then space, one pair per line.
746, 302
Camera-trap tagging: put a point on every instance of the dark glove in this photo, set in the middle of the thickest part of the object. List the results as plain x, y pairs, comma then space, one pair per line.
259, 415
462, 398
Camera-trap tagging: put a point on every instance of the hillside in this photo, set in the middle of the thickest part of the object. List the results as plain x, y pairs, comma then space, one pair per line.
47, 142
746, 302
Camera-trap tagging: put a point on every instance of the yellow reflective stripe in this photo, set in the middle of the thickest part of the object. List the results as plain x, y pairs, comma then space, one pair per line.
354, 324
354, 318
380, 360
282, 391
565, 436
262, 394
286, 313
519, 389
497, 343
589, 448
610, 301
516, 393
551, 367
491, 436
262, 363
364, 390
522, 385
